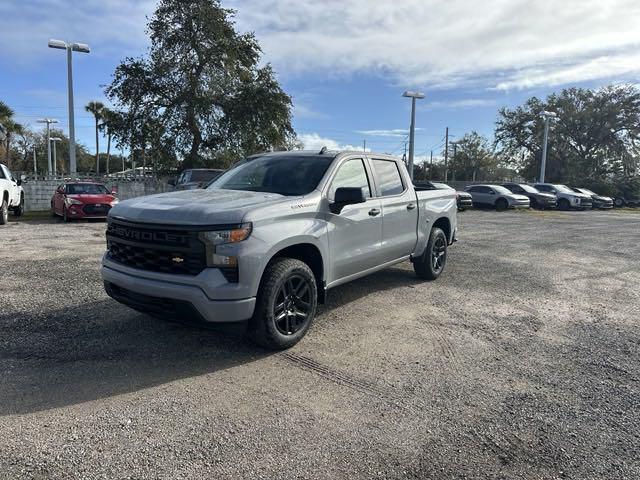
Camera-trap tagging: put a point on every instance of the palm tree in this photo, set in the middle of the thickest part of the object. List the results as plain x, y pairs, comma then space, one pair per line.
96, 109
108, 117
9, 128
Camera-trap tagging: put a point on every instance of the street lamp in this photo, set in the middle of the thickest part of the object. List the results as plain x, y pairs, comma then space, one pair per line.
548, 116
70, 47
48, 121
412, 132
54, 140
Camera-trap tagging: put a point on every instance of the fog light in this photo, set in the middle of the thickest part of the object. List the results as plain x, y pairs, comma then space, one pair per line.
224, 261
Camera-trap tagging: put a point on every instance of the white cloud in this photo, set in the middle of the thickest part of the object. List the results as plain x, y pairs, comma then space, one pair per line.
459, 104
505, 43
395, 133
313, 141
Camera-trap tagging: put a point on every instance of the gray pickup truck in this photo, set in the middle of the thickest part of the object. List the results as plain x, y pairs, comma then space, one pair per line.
268, 238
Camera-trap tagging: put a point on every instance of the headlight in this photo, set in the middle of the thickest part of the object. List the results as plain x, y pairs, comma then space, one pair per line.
71, 201
115, 201
221, 237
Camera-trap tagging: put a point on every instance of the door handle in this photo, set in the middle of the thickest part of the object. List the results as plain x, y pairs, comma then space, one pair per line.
411, 206
374, 212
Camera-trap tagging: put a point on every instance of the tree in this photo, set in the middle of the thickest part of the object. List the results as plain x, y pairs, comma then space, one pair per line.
473, 158
199, 95
10, 128
596, 136
108, 122
96, 108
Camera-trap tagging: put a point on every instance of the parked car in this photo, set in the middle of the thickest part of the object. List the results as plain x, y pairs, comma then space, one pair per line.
598, 201
195, 178
464, 200
537, 199
622, 201
77, 200
497, 196
11, 195
567, 198
268, 238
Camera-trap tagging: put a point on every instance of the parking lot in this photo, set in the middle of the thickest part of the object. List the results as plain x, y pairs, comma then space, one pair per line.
521, 361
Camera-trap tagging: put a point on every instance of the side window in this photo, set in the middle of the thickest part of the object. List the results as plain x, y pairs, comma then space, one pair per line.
474, 190
388, 176
2, 174
351, 174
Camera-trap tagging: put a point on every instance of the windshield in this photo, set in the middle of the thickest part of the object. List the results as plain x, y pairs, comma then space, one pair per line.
528, 188
501, 189
203, 175
563, 189
284, 174
585, 191
86, 189
440, 186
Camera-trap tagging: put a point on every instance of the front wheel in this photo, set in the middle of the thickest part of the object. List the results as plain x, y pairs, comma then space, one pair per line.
502, 204
4, 212
286, 304
19, 210
431, 263
65, 217
619, 202
563, 204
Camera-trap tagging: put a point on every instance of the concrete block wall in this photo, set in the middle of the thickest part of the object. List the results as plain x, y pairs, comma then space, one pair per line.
38, 193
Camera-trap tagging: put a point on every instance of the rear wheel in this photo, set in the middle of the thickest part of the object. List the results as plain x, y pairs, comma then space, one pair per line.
4, 212
619, 202
286, 304
431, 263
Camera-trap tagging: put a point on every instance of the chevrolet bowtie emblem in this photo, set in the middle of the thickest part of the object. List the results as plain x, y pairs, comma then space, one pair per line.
177, 259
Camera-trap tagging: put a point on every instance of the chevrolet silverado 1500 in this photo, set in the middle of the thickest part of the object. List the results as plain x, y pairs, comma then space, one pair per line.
267, 239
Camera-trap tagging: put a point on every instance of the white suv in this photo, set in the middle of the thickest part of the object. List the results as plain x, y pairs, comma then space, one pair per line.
11, 195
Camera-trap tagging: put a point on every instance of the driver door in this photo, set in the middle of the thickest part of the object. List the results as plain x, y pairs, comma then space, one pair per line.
355, 234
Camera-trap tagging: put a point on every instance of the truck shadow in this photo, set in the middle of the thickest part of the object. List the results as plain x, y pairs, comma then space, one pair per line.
100, 349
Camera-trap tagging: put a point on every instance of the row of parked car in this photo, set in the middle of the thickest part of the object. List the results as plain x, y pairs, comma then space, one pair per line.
539, 195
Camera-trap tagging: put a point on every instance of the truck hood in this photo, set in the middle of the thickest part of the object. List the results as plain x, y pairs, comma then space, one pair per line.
194, 207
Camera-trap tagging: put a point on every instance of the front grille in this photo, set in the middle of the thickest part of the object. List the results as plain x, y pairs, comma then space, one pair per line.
101, 209
155, 248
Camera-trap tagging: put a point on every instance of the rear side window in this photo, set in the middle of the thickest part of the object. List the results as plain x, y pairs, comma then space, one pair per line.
351, 174
388, 177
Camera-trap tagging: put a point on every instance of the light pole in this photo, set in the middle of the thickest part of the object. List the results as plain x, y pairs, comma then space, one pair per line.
70, 47
548, 116
54, 140
48, 121
412, 132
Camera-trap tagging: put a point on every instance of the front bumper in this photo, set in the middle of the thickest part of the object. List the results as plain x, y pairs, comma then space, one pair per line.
520, 205
175, 300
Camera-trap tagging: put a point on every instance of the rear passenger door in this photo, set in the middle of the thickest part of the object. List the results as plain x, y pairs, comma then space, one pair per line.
399, 210
482, 194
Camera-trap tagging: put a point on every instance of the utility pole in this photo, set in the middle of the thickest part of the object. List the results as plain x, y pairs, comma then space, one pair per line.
35, 163
412, 131
364, 145
446, 154
431, 166
455, 152
55, 158
48, 121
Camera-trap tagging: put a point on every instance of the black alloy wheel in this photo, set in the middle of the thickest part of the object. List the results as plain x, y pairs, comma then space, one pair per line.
293, 305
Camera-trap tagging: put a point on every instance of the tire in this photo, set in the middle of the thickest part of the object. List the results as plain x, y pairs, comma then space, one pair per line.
427, 266
65, 217
502, 204
19, 210
563, 204
4, 212
619, 202
286, 304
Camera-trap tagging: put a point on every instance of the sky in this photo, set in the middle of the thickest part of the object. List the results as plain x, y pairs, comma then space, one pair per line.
345, 62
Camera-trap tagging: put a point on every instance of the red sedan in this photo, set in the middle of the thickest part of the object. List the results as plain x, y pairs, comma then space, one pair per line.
76, 200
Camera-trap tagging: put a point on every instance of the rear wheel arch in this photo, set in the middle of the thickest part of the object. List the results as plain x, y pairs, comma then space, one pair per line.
444, 224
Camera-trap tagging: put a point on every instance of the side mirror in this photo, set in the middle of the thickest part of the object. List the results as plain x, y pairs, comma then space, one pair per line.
492, 192
172, 181
114, 191
19, 182
347, 196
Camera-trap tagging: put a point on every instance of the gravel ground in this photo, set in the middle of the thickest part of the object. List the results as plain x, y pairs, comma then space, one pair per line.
521, 361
